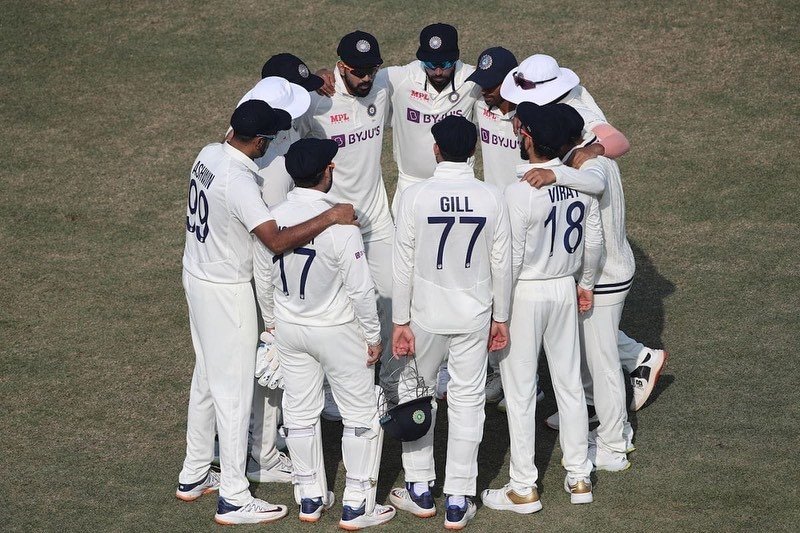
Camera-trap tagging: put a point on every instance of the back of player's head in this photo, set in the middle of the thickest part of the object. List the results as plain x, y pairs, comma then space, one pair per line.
456, 138
307, 159
573, 122
438, 42
546, 127
256, 118
359, 49
293, 69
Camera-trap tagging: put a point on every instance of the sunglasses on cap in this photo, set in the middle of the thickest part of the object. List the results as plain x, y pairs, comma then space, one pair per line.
268, 137
361, 72
444, 65
526, 85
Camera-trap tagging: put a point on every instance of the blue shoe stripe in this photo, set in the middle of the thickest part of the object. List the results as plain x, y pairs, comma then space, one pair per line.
224, 507
348, 513
186, 487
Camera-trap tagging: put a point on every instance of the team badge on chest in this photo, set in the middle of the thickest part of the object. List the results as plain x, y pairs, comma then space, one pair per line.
371, 110
453, 97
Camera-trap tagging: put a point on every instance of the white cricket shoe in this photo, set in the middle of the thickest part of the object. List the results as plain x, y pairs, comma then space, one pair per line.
626, 434
508, 499
494, 388
442, 379
554, 423
189, 492
457, 517
355, 519
579, 489
422, 505
255, 512
645, 376
311, 509
603, 459
330, 411
278, 471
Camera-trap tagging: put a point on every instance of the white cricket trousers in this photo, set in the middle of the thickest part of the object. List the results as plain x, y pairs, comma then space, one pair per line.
308, 355
266, 413
599, 328
544, 312
466, 355
631, 354
224, 327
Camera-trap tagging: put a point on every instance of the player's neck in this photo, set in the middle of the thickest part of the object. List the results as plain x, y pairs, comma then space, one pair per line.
506, 107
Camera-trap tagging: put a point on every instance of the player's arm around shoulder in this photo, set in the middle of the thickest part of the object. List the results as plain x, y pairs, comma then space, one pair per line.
280, 240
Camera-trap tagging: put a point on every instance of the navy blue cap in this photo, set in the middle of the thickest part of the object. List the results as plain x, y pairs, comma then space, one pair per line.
308, 157
492, 67
438, 42
572, 119
359, 49
409, 421
256, 117
545, 124
291, 68
456, 136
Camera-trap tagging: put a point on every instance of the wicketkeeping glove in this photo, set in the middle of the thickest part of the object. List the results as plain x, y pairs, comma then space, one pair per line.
268, 369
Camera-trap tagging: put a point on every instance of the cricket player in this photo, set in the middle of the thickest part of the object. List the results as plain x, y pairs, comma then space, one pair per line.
424, 92
325, 322
451, 297
554, 229
354, 116
540, 80
224, 208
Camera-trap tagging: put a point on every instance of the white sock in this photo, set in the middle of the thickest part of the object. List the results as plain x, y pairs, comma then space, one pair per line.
460, 501
420, 487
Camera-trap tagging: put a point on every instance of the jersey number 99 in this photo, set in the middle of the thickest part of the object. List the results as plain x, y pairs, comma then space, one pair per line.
197, 217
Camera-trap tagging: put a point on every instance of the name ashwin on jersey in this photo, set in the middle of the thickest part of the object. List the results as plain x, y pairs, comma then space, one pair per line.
203, 175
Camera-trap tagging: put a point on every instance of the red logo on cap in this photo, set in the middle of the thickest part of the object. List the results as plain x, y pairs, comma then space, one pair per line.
341, 117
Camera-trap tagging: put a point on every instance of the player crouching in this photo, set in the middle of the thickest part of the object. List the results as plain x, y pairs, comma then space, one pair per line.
326, 325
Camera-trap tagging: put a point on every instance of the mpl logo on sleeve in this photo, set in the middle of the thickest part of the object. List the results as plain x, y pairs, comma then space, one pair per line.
413, 115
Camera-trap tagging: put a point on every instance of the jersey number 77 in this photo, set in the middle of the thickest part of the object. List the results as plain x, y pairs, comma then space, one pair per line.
449, 222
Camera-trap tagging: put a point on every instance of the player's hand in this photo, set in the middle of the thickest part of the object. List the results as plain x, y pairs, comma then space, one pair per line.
498, 336
402, 341
539, 177
582, 155
329, 87
585, 299
374, 353
343, 214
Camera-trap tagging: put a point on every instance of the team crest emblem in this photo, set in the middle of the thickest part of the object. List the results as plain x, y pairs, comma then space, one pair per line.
435, 42
485, 62
418, 417
302, 70
371, 110
453, 97
363, 46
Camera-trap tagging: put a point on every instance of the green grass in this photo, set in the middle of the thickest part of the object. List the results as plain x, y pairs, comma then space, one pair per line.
104, 106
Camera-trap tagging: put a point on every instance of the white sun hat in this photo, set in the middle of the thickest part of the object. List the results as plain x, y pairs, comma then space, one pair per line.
538, 79
280, 94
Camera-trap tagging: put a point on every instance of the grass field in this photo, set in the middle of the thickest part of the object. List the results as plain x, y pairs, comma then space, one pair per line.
103, 106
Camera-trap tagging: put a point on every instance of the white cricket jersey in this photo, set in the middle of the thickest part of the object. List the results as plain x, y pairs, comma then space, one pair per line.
356, 124
224, 206
323, 283
617, 263
582, 101
549, 228
499, 145
452, 261
275, 181
416, 106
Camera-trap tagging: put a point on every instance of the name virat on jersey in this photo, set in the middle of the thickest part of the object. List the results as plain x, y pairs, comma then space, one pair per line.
559, 192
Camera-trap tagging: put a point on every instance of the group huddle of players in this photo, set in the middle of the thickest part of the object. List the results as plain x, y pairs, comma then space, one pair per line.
456, 287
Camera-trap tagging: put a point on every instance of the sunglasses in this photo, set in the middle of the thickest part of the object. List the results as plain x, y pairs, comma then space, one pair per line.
362, 72
444, 65
527, 85
268, 137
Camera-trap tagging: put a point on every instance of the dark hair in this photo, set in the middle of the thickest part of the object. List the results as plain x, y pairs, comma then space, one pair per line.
455, 159
545, 151
242, 138
310, 181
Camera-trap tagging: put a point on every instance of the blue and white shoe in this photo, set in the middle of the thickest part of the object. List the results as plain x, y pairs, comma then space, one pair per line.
255, 512
421, 505
355, 519
311, 509
189, 492
457, 517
